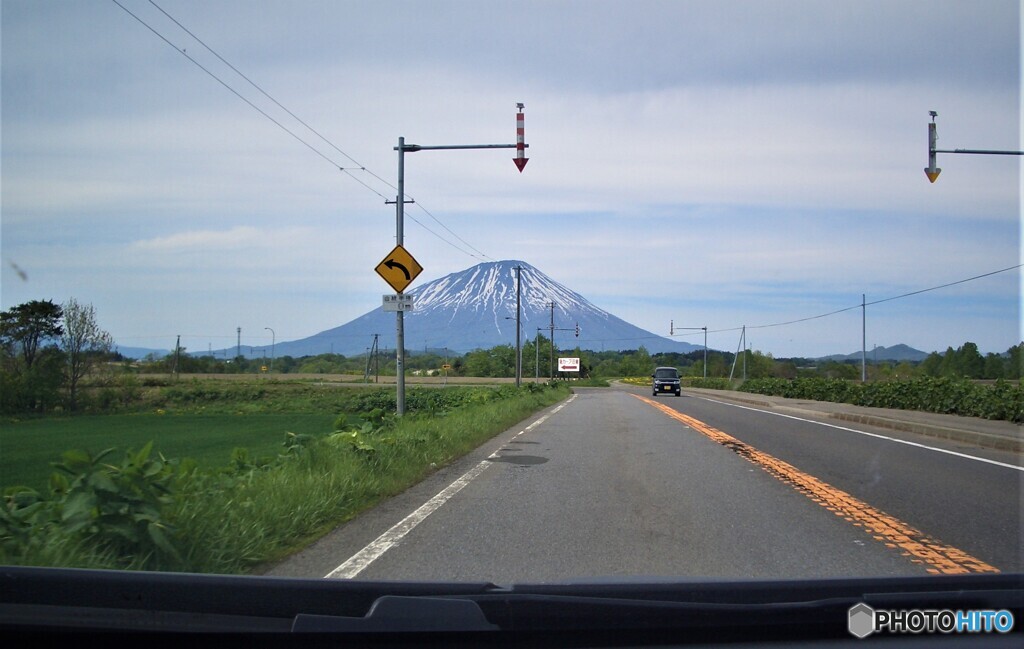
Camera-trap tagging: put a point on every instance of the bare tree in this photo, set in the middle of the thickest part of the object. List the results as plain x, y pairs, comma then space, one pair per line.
84, 344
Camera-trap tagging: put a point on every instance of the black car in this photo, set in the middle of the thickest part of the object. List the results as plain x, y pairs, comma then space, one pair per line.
666, 379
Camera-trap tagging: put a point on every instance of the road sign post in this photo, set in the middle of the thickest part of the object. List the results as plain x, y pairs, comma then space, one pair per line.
931, 170
394, 270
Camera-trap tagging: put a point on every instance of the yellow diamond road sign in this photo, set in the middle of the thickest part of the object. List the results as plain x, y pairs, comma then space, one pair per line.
399, 268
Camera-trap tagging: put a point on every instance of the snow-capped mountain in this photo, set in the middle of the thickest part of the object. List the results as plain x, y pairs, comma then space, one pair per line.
476, 309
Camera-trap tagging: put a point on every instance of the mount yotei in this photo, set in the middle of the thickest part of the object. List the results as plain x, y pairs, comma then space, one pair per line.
476, 309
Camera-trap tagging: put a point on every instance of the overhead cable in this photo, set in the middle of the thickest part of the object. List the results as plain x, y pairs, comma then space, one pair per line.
348, 171
866, 304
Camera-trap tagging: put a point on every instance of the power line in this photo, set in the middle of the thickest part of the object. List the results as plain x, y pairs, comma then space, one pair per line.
346, 170
484, 256
935, 288
265, 93
227, 86
888, 299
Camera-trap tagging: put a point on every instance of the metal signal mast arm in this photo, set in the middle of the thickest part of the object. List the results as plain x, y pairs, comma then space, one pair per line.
931, 170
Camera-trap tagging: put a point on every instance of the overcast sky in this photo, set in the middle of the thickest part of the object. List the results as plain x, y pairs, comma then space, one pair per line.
714, 164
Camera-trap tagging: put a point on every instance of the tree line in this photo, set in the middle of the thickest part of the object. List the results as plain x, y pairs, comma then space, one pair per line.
46, 350
49, 352
538, 361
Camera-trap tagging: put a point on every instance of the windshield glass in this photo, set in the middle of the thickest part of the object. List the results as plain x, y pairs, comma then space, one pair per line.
375, 290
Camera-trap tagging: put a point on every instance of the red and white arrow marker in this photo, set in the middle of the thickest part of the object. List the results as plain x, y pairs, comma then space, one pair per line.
520, 158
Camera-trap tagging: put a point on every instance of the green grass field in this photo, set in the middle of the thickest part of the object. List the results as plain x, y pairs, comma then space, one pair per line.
221, 514
28, 447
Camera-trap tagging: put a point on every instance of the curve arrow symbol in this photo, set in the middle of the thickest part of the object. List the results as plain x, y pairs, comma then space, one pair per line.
392, 264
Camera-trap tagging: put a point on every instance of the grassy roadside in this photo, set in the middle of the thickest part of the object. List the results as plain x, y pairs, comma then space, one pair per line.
145, 512
30, 447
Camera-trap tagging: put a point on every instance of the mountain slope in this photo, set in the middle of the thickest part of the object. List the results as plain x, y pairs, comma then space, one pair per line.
476, 309
895, 353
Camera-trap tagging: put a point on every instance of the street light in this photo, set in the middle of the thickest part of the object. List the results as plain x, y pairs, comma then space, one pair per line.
672, 331
273, 339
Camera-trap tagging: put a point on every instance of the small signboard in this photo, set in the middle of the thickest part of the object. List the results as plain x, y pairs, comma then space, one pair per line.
398, 302
568, 365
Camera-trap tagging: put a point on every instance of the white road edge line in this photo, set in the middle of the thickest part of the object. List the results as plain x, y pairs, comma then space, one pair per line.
863, 432
362, 559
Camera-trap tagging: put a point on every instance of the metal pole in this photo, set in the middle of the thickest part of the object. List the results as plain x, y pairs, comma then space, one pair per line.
552, 341
979, 151
744, 352
931, 170
536, 364
863, 338
705, 352
400, 315
519, 348
273, 340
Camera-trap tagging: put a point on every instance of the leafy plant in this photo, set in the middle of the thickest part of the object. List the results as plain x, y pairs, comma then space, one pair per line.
117, 506
116, 509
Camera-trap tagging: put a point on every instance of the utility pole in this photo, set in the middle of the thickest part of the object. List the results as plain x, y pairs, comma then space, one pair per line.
553, 329
177, 355
403, 148
742, 341
371, 357
536, 364
552, 359
863, 338
238, 348
519, 344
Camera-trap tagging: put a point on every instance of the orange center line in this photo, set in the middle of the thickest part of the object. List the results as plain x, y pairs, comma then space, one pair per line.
910, 542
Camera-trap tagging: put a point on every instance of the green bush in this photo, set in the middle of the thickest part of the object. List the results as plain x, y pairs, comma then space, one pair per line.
1001, 401
708, 384
117, 509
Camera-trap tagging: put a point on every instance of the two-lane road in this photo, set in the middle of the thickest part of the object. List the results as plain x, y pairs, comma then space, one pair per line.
616, 483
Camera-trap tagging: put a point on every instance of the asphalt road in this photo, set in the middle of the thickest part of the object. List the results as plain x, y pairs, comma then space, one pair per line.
615, 483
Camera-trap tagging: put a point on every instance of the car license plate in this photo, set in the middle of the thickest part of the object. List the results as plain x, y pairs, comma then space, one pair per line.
666, 388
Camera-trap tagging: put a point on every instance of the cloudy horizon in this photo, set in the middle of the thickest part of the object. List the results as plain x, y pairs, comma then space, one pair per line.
712, 164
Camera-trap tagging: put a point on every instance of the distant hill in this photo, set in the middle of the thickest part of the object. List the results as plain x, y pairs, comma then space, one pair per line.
896, 353
139, 353
476, 309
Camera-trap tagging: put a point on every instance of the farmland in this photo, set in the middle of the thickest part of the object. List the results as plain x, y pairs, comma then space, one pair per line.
221, 476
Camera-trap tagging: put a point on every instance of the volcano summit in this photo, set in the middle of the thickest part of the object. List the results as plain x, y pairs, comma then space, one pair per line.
476, 309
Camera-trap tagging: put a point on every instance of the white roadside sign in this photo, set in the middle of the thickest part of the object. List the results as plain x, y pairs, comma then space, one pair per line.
568, 365
398, 302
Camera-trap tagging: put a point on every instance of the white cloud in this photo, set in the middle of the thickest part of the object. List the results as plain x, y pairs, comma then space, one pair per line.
732, 163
